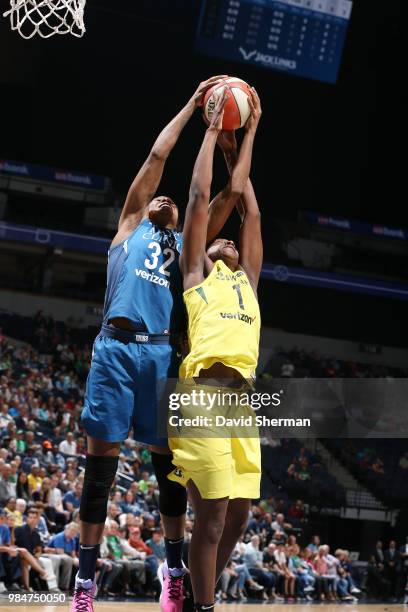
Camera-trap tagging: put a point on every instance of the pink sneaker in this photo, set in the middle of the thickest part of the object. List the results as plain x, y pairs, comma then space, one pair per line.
84, 594
171, 598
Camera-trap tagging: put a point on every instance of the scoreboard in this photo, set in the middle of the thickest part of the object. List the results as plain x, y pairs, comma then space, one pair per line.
300, 37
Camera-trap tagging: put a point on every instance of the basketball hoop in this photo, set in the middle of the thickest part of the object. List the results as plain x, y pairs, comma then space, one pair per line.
47, 17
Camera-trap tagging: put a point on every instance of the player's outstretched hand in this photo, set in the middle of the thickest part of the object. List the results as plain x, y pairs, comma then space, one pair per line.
199, 94
256, 111
227, 141
218, 114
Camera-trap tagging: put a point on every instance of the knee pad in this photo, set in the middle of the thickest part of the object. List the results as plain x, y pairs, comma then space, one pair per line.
173, 496
99, 475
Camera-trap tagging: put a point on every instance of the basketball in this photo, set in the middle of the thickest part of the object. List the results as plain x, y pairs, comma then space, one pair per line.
236, 110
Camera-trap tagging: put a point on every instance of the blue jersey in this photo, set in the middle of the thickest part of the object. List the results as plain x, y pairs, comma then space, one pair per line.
144, 281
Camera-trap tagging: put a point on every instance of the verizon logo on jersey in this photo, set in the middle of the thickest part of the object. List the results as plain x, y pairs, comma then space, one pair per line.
152, 278
238, 315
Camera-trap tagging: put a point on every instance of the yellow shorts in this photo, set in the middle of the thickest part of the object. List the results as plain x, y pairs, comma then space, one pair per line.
223, 460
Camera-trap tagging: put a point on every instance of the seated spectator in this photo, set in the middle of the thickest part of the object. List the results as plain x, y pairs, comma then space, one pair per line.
22, 489
44, 525
345, 570
61, 549
10, 507
21, 506
68, 446
254, 523
123, 466
325, 582
144, 482
291, 546
279, 528
136, 541
108, 568
296, 511
149, 525
129, 450
303, 573
152, 497
315, 544
288, 577
129, 504
268, 505
30, 547
131, 560
72, 499
7, 485
253, 559
29, 461
156, 545
34, 479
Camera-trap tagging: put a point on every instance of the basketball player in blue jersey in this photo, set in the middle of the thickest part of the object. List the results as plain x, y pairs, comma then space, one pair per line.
135, 351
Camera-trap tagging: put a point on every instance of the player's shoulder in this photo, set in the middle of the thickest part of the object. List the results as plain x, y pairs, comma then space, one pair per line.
125, 236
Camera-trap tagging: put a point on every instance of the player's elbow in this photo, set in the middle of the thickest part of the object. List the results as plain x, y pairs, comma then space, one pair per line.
235, 194
236, 189
157, 155
253, 215
199, 194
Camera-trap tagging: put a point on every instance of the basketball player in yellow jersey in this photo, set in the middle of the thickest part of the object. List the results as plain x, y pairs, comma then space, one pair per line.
222, 474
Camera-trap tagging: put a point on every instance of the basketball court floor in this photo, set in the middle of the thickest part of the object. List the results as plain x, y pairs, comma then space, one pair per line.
125, 606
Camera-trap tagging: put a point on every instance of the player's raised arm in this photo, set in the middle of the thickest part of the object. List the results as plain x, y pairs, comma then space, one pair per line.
250, 238
196, 221
223, 204
147, 180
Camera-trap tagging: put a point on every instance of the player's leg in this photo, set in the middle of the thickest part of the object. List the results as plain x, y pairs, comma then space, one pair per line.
100, 470
246, 477
107, 418
208, 528
235, 523
172, 505
156, 362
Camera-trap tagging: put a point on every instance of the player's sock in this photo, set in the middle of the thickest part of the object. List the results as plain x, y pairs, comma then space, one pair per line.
87, 561
204, 607
174, 552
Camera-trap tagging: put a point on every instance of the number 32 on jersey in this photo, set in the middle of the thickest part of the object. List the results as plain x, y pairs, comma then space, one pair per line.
152, 262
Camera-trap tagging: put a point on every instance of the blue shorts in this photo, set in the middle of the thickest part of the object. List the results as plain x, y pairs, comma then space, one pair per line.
124, 388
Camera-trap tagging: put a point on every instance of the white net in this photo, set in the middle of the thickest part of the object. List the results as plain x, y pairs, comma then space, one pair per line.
47, 17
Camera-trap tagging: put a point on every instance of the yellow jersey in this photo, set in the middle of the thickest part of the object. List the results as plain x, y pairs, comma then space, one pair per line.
224, 323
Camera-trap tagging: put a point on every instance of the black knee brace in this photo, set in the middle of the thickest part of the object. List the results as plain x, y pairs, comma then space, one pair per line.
173, 496
99, 475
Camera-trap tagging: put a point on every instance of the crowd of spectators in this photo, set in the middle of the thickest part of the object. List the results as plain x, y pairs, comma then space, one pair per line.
300, 363
273, 562
381, 466
42, 452
301, 473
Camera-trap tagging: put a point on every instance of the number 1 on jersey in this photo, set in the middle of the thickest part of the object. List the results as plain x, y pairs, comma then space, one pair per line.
240, 299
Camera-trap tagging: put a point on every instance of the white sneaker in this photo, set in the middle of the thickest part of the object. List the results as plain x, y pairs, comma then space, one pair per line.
3, 588
355, 591
278, 597
256, 587
308, 589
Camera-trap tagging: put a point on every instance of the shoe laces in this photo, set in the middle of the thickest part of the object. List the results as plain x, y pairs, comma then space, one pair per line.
175, 587
82, 598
